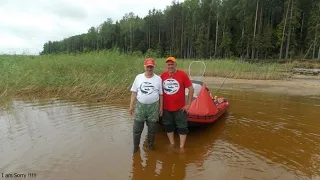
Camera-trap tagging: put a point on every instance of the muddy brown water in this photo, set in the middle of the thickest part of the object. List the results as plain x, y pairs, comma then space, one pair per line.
262, 136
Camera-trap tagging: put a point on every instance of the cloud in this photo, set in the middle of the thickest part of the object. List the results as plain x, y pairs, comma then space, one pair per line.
67, 10
26, 25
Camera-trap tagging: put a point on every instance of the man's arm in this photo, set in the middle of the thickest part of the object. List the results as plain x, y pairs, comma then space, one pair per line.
161, 105
188, 84
132, 101
133, 98
190, 94
133, 95
160, 97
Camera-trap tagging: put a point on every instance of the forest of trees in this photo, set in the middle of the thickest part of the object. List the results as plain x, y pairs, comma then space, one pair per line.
250, 29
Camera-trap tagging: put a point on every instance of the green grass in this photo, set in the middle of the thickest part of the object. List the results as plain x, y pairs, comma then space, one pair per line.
102, 75
242, 70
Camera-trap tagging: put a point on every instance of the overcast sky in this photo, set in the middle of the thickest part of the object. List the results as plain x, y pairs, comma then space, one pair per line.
25, 25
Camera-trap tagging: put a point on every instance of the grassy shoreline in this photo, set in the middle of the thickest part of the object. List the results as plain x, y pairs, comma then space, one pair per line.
105, 75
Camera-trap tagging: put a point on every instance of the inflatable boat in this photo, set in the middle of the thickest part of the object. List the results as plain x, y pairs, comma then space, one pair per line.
205, 108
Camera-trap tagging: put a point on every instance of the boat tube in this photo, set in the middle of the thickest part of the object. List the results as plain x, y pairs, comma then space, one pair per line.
204, 107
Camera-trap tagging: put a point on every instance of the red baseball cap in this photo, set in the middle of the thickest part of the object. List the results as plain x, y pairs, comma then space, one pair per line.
149, 62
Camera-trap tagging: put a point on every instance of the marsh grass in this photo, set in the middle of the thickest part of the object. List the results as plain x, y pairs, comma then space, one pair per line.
307, 64
102, 76
242, 70
85, 76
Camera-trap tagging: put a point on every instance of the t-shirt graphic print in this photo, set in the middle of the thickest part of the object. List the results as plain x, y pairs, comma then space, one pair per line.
147, 88
171, 86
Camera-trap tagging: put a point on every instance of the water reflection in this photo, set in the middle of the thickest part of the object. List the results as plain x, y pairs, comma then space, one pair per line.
263, 136
170, 163
158, 166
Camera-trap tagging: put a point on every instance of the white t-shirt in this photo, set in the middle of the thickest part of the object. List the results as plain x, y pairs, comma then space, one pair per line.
148, 89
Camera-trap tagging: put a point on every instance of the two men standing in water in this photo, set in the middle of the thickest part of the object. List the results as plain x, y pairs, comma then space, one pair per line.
162, 95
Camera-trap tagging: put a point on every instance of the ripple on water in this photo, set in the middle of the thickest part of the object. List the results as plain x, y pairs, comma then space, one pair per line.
55, 127
261, 137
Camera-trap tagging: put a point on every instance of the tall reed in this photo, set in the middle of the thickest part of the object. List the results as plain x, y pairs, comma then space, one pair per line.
103, 75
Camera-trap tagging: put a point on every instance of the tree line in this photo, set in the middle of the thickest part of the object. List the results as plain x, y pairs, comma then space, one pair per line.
249, 29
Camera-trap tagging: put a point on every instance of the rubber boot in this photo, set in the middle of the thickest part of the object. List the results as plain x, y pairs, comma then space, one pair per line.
151, 142
136, 142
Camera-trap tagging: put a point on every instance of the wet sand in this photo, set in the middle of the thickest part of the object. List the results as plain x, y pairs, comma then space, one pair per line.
299, 85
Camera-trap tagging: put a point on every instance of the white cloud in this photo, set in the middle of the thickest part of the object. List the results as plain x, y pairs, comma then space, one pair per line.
26, 25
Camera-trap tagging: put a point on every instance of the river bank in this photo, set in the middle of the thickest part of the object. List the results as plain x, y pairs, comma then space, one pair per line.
107, 75
297, 85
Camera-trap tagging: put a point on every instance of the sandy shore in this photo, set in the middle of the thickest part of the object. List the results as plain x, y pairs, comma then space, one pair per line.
298, 85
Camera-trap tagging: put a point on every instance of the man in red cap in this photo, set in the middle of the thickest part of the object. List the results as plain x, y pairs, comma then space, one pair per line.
174, 102
147, 90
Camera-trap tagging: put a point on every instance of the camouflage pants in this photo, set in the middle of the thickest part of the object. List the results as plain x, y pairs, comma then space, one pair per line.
148, 113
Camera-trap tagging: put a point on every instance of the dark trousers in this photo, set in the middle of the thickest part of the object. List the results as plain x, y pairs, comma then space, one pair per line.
138, 128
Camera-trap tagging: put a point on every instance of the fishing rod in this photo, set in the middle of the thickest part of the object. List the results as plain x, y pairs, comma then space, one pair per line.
231, 72
224, 81
221, 85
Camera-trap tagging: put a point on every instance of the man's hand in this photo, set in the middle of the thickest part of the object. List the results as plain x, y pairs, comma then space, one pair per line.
160, 112
190, 96
133, 98
131, 110
185, 108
